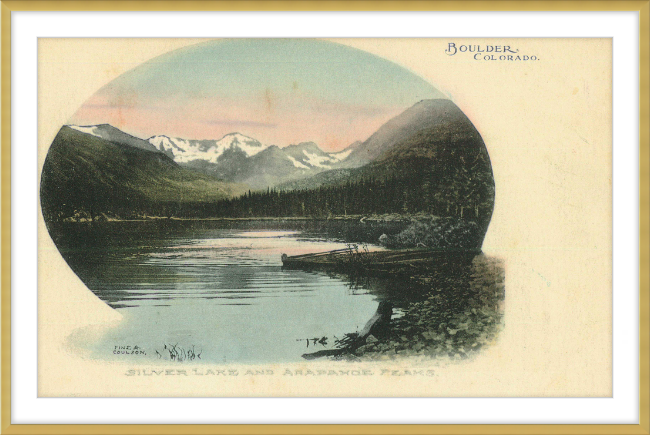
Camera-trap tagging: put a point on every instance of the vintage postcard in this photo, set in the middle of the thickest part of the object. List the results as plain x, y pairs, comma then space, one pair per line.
325, 217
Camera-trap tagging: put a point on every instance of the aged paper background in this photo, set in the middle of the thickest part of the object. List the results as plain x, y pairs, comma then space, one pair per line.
547, 127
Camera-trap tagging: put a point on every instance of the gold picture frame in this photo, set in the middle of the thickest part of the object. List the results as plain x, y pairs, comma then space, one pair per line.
642, 7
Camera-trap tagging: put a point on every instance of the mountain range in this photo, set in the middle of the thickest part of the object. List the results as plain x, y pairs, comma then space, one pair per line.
235, 158
430, 158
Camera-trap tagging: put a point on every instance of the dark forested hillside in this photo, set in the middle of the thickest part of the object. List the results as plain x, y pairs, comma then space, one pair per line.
88, 177
433, 161
410, 193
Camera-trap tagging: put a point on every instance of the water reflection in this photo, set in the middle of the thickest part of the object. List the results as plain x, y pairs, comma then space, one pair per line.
218, 291
443, 309
210, 287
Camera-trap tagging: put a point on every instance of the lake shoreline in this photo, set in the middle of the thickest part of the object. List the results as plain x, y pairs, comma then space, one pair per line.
351, 218
391, 230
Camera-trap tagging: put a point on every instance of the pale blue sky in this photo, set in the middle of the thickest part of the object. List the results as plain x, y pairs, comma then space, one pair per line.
279, 91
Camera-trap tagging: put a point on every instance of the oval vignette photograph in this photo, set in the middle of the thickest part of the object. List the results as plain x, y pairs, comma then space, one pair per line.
280, 209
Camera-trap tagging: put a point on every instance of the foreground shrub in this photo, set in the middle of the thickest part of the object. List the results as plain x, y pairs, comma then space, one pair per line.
437, 233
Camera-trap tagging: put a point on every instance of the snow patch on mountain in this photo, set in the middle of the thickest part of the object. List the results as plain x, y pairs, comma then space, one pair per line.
317, 161
342, 155
164, 143
297, 164
87, 129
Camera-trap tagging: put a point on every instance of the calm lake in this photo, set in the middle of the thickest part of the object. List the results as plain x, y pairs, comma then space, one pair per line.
216, 292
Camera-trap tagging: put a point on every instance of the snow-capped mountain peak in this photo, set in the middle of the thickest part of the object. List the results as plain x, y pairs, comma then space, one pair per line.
247, 144
185, 151
307, 155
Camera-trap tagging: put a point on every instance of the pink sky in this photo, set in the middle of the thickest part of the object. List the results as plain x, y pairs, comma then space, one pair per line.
278, 91
272, 120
